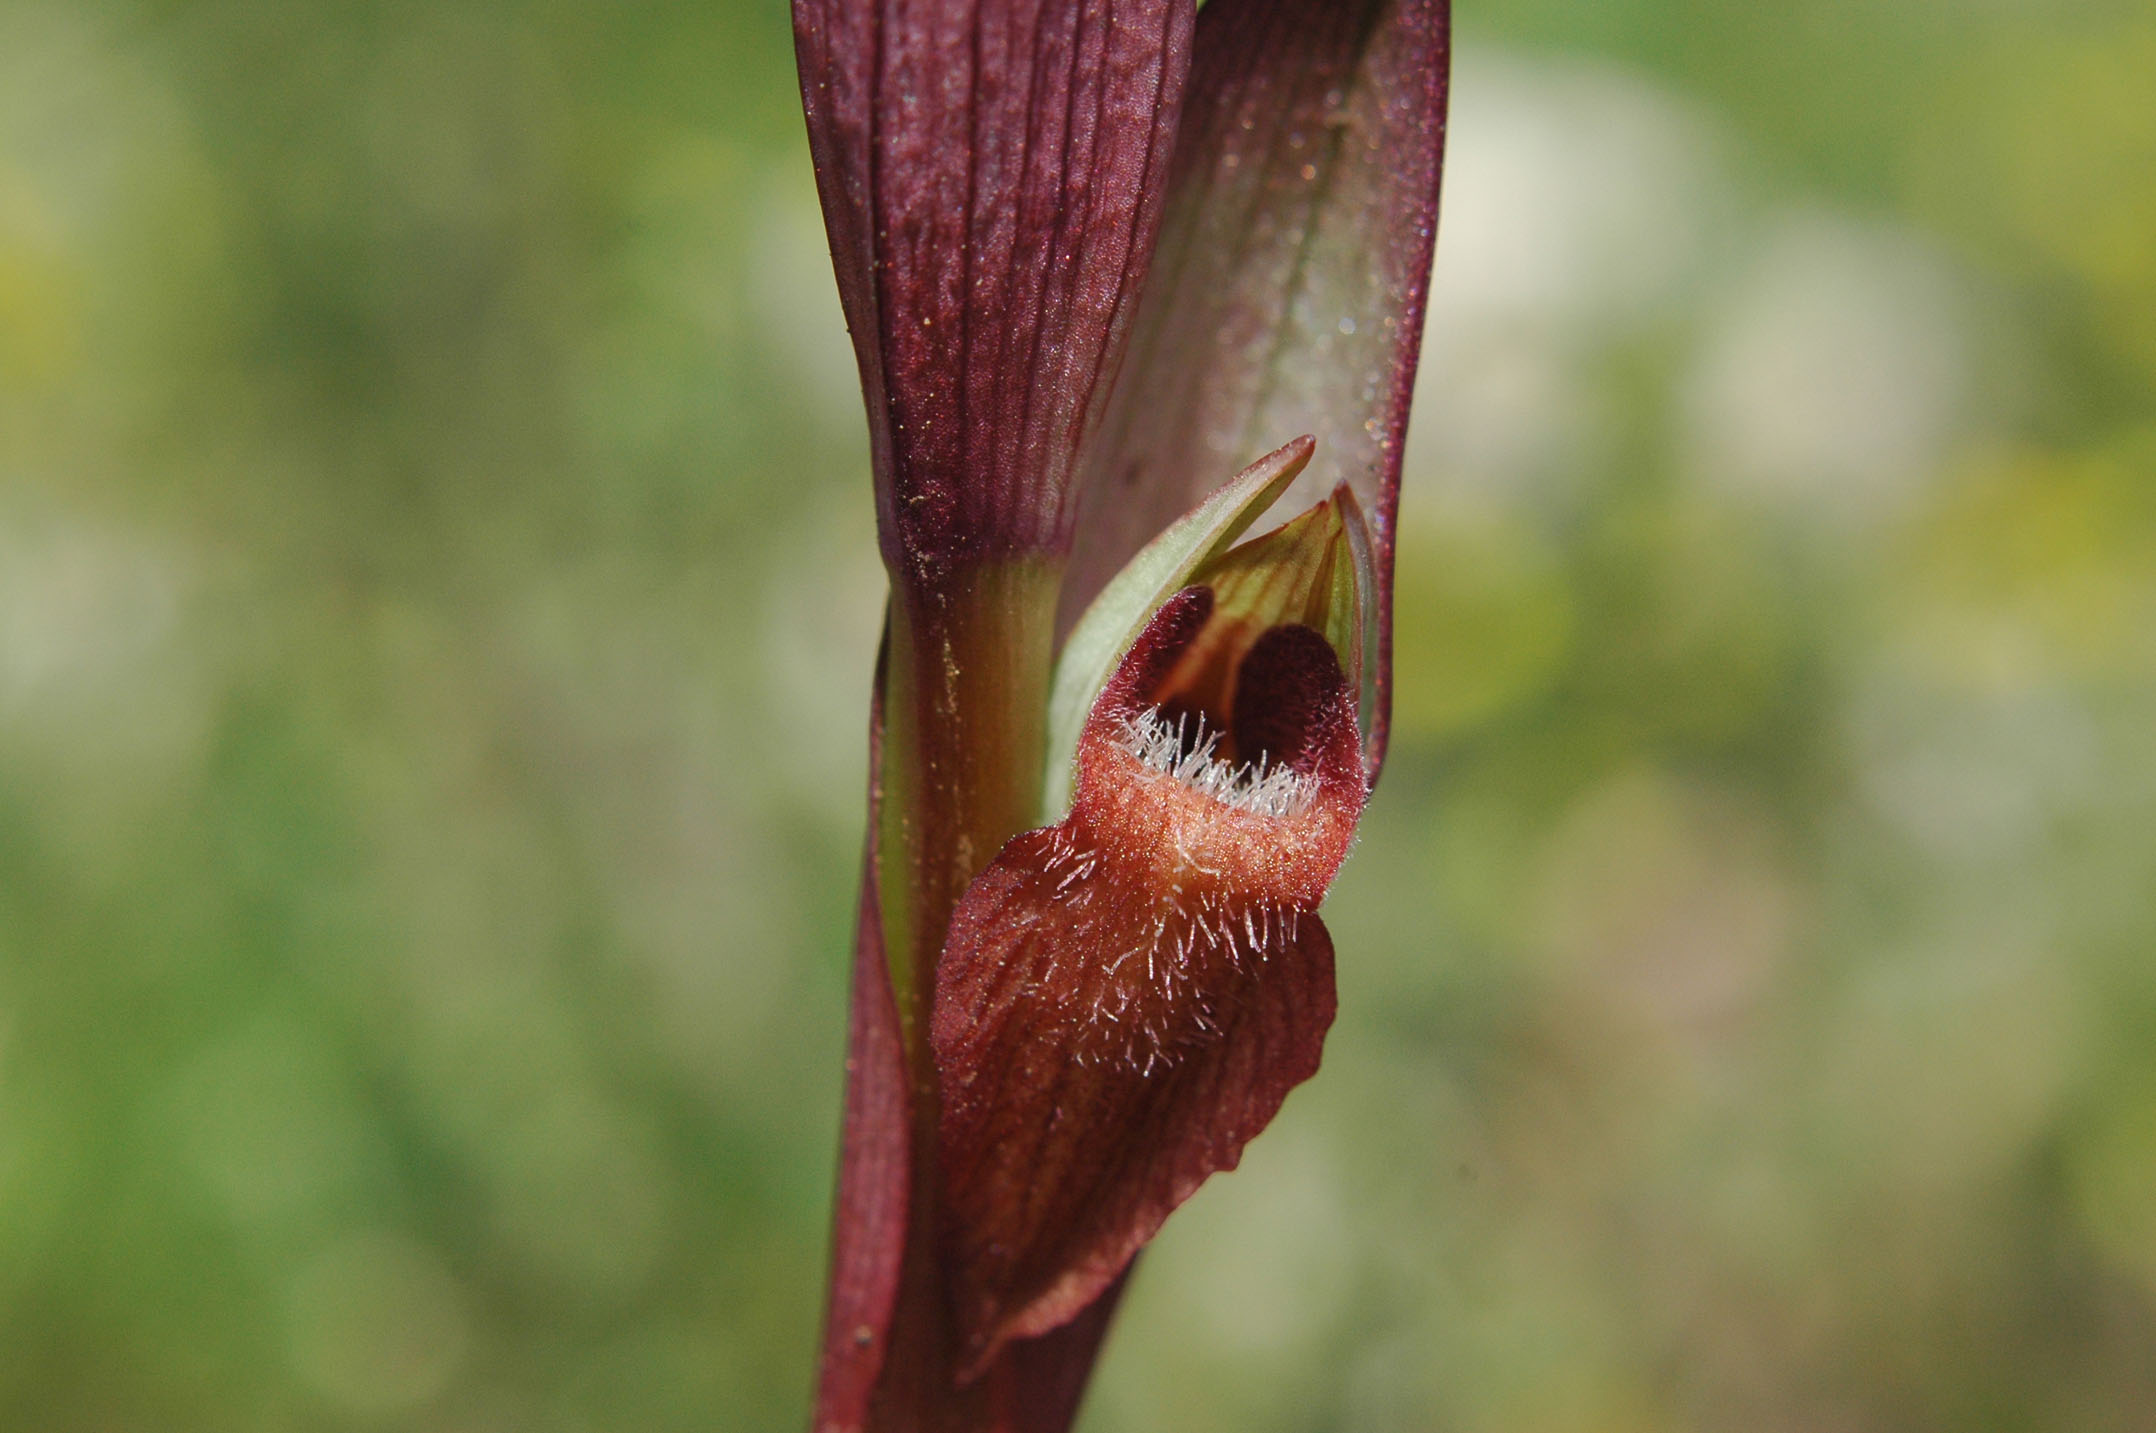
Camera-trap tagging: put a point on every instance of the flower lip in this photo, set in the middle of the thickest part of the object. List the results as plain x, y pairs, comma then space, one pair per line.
1126, 996
1255, 803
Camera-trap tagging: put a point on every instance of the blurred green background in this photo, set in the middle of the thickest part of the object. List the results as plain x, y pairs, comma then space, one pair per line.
436, 599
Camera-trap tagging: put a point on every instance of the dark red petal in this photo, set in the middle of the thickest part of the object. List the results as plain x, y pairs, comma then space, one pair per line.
1125, 998
991, 174
1288, 287
1038, 1383
868, 1236
1284, 691
1158, 648
1070, 1131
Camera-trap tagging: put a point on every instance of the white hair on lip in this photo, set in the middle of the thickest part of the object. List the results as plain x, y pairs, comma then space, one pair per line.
1184, 750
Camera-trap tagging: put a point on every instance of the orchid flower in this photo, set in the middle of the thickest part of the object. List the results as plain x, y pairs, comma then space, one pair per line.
1122, 275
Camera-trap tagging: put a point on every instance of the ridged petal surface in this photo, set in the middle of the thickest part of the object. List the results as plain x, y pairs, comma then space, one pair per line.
992, 173
1288, 289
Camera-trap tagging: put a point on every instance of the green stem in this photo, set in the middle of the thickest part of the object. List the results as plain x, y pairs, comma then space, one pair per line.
965, 704
966, 699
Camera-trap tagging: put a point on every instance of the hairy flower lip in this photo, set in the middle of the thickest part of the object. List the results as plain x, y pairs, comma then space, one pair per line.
1184, 751
1171, 829
1178, 832
1127, 996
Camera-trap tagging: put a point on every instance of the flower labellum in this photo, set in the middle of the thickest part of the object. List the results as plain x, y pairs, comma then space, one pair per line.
1127, 996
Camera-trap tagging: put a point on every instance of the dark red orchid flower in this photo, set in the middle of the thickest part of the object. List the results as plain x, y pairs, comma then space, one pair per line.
1098, 256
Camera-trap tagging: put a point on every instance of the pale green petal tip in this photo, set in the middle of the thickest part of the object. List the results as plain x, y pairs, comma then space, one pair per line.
1320, 574
1159, 571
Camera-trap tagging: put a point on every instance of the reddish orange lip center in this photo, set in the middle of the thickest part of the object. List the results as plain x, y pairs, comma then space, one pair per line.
1196, 830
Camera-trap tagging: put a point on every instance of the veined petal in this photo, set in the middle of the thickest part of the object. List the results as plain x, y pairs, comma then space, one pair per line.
869, 1221
1126, 997
991, 174
1287, 292
868, 1238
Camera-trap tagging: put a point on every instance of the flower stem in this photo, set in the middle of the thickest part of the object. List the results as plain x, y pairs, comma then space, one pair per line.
965, 702
966, 699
